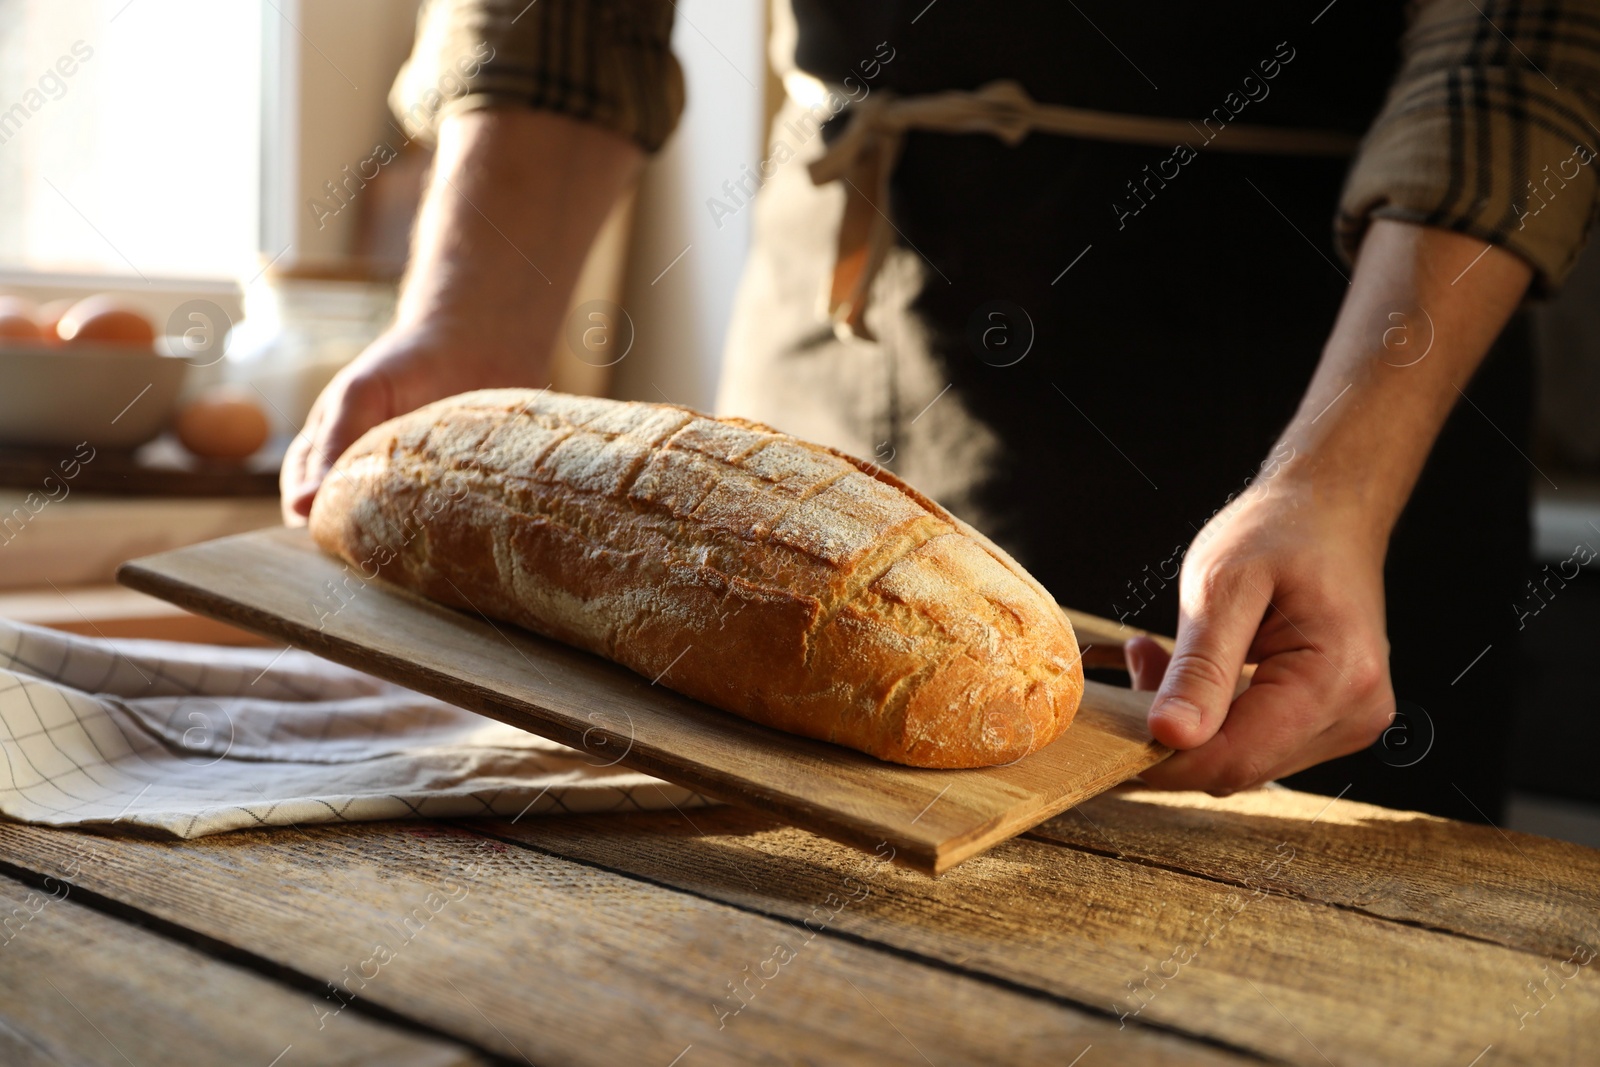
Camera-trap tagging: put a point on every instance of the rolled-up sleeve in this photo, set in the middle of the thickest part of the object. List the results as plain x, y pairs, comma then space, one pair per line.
1490, 129
609, 62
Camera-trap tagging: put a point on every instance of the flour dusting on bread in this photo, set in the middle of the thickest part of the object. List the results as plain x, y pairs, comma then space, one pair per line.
775, 579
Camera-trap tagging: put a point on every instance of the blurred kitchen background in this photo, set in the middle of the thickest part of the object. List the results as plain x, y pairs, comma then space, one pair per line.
194, 158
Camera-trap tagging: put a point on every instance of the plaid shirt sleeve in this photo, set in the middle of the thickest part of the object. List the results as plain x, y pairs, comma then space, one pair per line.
1488, 130
604, 61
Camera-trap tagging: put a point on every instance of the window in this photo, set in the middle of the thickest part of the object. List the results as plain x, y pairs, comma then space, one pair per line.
130, 136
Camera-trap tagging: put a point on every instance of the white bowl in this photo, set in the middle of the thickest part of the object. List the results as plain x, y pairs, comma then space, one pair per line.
108, 396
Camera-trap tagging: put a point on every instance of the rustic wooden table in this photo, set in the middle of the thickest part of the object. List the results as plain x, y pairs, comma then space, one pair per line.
1140, 928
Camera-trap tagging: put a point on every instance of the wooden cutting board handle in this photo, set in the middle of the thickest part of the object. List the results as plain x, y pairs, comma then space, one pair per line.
1102, 640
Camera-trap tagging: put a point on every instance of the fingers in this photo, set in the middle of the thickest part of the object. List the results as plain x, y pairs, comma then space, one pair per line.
293, 502
1265, 725
1147, 662
1216, 626
1281, 724
348, 407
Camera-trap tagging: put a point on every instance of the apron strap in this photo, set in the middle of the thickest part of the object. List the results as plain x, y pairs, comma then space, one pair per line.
865, 154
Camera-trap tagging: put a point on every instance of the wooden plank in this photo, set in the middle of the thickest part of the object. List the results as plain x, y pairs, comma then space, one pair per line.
547, 960
77, 986
276, 582
1286, 979
1103, 639
1514, 889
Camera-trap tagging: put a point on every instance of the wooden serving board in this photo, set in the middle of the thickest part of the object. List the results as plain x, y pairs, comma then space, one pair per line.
278, 583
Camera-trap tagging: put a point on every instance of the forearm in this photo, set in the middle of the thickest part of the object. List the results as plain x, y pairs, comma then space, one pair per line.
514, 202
1290, 577
1423, 308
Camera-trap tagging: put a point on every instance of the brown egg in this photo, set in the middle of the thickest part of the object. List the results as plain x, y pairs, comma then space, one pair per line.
105, 320
49, 318
18, 320
224, 422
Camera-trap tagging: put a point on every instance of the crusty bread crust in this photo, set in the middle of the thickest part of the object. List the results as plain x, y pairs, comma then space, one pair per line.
779, 580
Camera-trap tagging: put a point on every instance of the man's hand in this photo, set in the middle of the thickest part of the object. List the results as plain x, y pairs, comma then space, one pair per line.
401, 371
1296, 589
1290, 575
514, 202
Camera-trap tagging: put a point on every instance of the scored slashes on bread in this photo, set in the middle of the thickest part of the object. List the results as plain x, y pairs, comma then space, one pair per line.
776, 579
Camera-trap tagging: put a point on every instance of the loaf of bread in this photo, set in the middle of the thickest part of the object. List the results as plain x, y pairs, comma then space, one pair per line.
775, 579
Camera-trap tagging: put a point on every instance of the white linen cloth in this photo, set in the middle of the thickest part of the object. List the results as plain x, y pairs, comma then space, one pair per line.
189, 740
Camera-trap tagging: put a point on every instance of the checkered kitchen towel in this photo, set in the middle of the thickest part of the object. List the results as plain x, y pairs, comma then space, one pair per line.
191, 740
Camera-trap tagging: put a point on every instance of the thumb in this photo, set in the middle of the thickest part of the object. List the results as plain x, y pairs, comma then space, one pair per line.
1214, 636
348, 409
